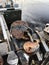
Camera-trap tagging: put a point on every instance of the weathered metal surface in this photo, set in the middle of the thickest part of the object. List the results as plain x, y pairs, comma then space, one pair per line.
18, 29
30, 47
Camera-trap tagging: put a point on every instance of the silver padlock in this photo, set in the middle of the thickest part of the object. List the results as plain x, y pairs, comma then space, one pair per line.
12, 58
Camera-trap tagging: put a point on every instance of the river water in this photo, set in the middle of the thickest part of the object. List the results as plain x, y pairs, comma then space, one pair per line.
35, 12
